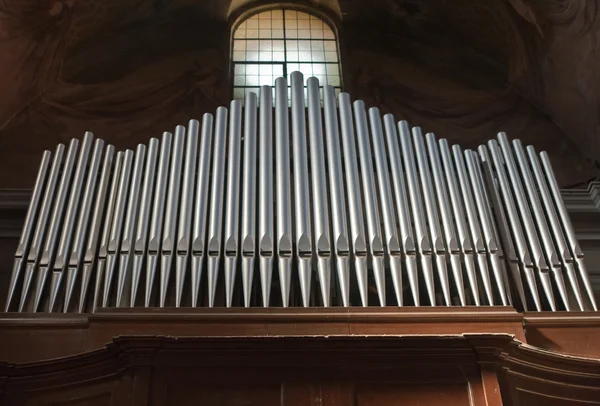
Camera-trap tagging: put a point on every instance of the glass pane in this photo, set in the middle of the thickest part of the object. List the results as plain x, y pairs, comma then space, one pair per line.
239, 69
331, 56
303, 33
269, 41
252, 55
238, 93
265, 70
330, 46
318, 56
239, 55
303, 24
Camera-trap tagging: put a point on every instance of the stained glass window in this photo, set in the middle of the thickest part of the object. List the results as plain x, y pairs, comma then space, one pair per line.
278, 42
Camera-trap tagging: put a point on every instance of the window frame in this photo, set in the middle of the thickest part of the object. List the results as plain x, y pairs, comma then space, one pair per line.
249, 13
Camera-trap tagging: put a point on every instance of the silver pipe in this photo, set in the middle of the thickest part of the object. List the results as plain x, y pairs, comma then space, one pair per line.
481, 245
283, 201
488, 212
464, 237
525, 263
184, 231
423, 241
539, 262
231, 238
25, 240
127, 247
391, 245
491, 243
358, 244
201, 205
64, 245
216, 203
304, 251
33, 258
158, 212
567, 227
90, 254
374, 242
77, 250
407, 240
50, 245
501, 220
437, 242
140, 249
542, 225
249, 189
116, 231
104, 240
265, 192
446, 215
319, 190
337, 195
563, 250
168, 246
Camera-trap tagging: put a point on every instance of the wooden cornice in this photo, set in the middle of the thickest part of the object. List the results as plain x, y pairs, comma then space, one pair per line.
128, 359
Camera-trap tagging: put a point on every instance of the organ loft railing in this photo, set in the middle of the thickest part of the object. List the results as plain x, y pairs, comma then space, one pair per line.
356, 211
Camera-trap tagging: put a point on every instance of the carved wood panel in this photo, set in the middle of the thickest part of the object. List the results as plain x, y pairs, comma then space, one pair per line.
314, 371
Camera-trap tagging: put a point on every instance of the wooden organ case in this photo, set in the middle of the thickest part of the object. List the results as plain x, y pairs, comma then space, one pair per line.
298, 253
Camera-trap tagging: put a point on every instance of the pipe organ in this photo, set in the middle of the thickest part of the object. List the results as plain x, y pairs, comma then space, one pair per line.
279, 203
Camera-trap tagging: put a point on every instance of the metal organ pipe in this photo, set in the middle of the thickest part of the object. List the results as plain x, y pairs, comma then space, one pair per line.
230, 240
265, 192
423, 240
158, 213
303, 232
77, 251
283, 194
290, 188
319, 190
437, 244
214, 246
91, 254
338, 195
201, 206
184, 229
358, 243
374, 242
391, 244
26, 233
248, 238
446, 215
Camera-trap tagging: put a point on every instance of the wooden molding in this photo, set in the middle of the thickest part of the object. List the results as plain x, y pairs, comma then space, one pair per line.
349, 370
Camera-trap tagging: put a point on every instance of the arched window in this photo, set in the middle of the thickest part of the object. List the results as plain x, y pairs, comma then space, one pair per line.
278, 42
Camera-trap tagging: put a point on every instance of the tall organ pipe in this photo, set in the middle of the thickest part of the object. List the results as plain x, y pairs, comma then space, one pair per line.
27, 232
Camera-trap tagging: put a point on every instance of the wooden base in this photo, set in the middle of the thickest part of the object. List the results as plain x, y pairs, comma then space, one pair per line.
314, 356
